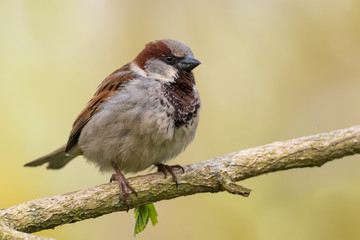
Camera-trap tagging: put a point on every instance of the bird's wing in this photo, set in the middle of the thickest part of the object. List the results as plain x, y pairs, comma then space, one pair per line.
107, 88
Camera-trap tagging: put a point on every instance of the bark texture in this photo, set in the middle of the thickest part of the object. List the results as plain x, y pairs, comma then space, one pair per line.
214, 175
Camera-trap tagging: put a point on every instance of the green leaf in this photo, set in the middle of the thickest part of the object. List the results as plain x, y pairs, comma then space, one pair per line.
152, 214
142, 215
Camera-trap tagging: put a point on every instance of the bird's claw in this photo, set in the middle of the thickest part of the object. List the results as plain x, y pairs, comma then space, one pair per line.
169, 168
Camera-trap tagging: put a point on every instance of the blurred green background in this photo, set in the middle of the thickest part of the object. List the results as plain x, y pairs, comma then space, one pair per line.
271, 70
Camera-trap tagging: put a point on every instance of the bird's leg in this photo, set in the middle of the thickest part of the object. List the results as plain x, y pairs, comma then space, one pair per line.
167, 168
124, 185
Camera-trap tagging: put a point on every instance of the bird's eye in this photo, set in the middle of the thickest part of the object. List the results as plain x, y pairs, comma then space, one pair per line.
169, 58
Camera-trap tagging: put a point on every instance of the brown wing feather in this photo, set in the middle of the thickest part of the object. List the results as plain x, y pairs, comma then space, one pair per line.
107, 88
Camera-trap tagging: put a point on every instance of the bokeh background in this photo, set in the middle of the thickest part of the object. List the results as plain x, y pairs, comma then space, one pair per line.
271, 70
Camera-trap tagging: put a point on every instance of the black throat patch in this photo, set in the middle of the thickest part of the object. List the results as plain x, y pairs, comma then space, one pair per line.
183, 98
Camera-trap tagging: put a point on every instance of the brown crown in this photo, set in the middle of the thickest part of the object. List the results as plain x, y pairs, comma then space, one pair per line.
153, 49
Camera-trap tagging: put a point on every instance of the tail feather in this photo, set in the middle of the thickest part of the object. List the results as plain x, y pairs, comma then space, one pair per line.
56, 159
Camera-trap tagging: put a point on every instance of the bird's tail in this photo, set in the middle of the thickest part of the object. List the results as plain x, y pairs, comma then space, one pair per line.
56, 159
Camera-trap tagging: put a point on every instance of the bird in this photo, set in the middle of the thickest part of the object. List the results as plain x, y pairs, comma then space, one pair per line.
143, 114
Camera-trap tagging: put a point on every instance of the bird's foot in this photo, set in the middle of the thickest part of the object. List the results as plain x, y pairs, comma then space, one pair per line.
169, 168
124, 186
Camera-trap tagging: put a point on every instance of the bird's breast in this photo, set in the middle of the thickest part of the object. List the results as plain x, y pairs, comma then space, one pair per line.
139, 126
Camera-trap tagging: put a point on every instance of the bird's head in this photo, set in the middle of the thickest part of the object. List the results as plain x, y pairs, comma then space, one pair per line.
163, 60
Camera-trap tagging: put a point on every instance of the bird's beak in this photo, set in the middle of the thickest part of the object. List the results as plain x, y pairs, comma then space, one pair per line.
188, 63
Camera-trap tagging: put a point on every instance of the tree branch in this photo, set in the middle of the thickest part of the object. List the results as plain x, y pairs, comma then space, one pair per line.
214, 175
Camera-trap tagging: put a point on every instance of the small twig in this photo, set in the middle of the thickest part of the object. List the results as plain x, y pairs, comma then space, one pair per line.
7, 233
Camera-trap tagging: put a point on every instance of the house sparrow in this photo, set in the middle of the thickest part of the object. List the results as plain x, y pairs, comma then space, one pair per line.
143, 114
